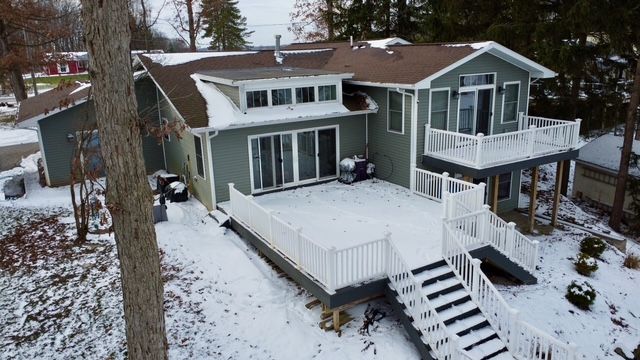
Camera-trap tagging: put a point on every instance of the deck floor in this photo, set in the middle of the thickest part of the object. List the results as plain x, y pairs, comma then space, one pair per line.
334, 214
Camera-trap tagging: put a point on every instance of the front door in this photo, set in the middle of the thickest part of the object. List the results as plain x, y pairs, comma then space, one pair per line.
475, 111
483, 112
327, 153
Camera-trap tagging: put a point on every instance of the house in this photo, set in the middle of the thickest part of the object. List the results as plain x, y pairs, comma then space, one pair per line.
596, 173
446, 124
60, 114
66, 63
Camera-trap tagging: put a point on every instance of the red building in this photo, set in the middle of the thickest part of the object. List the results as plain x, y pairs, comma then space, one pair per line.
66, 63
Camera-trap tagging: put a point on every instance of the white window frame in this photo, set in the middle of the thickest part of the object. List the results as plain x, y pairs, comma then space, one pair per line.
475, 88
258, 90
504, 96
431, 91
510, 187
66, 65
270, 96
195, 157
389, 91
294, 144
326, 101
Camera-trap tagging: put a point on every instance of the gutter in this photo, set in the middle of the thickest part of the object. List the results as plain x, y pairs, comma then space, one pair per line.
413, 134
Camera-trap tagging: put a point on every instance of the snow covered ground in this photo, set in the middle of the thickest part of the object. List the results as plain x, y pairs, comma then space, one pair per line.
12, 136
334, 214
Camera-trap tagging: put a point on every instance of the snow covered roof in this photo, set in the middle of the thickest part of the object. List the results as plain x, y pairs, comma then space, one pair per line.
605, 152
237, 76
182, 58
222, 113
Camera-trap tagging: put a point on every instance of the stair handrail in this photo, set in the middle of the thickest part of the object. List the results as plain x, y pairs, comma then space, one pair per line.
440, 339
521, 338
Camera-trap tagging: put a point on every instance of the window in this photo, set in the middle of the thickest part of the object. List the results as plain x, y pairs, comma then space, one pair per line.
510, 102
395, 116
439, 109
326, 93
504, 186
281, 97
257, 98
474, 80
63, 68
197, 142
305, 94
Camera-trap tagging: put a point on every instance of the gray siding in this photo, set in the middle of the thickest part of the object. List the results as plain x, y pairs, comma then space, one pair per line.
233, 92
231, 149
389, 151
512, 202
58, 151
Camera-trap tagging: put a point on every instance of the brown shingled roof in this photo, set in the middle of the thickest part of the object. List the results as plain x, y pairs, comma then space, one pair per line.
398, 64
58, 98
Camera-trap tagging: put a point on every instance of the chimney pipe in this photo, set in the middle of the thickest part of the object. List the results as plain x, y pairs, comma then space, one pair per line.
277, 53
351, 40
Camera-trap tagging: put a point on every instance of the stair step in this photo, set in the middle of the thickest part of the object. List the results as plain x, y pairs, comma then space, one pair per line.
457, 310
476, 336
433, 273
467, 323
448, 298
486, 349
440, 285
503, 356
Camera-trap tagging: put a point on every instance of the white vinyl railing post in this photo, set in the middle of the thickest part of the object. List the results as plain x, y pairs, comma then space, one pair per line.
446, 204
270, 228
387, 253
331, 268
514, 316
231, 188
298, 241
521, 125
445, 184
571, 353
475, 281
536, 245
481, 193
531, 140
576, 133
427, 137
479, 142
509, 238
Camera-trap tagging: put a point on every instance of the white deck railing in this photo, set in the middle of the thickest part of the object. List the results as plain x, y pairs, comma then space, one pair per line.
535, 137
522, 339
332, 268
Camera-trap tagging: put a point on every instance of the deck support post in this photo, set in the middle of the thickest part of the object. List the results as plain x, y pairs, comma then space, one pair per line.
556, 194
533, 199
494, 196
336, 320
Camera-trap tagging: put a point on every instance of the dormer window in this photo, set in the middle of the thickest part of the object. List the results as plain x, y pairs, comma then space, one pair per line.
257, 98
327, 93
281, 97
305, 94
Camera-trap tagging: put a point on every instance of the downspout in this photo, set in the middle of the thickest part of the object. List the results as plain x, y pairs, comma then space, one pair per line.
366, 136
164, 154
212, 183
413, 135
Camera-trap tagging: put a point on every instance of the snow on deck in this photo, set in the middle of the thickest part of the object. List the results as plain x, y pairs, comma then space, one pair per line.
335, 214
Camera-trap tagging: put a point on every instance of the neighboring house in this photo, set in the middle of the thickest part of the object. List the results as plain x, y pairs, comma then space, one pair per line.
61, 113
66, 63
415, 106
596, 173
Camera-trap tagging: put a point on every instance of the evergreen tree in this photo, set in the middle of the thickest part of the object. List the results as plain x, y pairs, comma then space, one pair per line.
224, 24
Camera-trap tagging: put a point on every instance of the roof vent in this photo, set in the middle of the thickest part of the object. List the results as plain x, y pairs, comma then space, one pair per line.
277, 53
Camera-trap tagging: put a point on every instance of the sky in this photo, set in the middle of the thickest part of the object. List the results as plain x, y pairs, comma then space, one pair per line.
265, 17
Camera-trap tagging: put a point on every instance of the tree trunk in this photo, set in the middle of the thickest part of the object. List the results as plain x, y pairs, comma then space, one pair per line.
330, 26
129, 197
15, 73
617, 210
193, 32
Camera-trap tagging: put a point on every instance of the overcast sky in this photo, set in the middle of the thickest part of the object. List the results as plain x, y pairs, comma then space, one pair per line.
265, 17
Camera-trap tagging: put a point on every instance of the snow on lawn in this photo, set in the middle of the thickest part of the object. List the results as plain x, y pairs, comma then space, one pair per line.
62, 300
13, 136
334, 214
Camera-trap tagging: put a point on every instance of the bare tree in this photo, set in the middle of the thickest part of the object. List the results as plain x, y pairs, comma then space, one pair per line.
129, 197
143, 21
188, 20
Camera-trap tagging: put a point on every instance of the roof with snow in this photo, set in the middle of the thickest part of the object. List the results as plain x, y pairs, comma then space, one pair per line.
62, 97
605, 151
389, 62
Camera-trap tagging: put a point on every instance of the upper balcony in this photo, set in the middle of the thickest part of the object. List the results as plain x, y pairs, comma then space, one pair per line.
537, 141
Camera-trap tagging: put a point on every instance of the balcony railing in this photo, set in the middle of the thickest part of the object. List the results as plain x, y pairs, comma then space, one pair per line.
536, 137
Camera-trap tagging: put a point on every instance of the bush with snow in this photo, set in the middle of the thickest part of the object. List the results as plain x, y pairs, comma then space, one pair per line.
592, 246
581, 294
585, 264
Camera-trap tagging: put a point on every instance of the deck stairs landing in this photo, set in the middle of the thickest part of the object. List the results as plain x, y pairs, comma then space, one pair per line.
459, 313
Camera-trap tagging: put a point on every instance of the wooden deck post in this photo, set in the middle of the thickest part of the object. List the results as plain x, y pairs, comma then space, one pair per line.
494, 196
533, 199
336, 320
556, 194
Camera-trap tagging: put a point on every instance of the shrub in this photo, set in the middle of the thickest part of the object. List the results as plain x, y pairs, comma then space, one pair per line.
581, 294
585, 264
632, 261
592, 246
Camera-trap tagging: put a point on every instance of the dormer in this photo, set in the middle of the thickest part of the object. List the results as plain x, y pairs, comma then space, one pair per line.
278, 87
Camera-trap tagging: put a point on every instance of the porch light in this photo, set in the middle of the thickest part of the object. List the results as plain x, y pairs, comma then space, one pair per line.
454, 94
70, 137
501, 90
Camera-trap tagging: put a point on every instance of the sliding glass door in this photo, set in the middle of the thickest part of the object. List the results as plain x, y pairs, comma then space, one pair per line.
474, 112
291, 158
